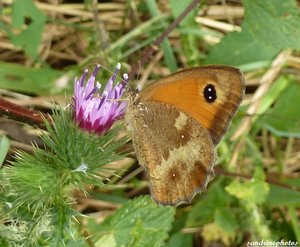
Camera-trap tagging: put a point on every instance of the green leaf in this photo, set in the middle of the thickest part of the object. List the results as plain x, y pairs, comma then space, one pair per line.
226, 220
30, 37
177, 236
180, 239
269, 26
280, 196
40, 81
204, 210
255, 191
273, 22
293, 181
283, 119
238, 49
140, 222
4, 147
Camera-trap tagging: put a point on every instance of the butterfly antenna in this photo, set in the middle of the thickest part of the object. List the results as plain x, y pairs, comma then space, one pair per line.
138, 86
139, 70
134, 88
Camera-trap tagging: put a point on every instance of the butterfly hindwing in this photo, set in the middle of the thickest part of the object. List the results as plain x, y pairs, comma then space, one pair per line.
178, 154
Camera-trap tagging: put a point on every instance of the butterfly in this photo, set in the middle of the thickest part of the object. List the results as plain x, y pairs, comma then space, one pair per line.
176, 123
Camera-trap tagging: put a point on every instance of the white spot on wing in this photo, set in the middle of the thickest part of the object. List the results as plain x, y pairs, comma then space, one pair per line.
181, 121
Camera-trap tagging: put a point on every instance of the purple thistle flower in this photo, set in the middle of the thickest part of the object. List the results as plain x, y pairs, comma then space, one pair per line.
96, 112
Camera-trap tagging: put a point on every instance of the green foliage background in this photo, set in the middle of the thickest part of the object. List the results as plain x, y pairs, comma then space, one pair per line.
256, 192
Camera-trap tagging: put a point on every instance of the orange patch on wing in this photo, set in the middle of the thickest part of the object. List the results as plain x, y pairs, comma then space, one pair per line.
185, 95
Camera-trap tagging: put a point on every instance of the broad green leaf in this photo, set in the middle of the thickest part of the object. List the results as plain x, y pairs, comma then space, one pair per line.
25, 13
140, 222
238, 49
269, 26
40, 81
280, 196
283, 119
273, 22
226, 220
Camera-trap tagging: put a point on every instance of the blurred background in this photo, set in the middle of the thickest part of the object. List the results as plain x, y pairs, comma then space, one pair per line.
255, 194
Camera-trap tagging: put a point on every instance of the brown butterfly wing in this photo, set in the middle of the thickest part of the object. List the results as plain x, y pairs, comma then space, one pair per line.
175, 149
210, 94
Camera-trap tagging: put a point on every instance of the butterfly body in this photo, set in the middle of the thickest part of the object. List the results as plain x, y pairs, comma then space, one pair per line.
176, 124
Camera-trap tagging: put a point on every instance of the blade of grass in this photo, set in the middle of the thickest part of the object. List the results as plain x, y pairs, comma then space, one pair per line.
123, 40
169, 56
137, 31
149, 52
4, 147
295, 223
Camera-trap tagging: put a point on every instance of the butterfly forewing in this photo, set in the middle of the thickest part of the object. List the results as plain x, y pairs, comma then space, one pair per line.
210, 94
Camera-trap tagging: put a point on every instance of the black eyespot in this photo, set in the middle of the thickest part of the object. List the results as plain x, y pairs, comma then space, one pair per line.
210, 93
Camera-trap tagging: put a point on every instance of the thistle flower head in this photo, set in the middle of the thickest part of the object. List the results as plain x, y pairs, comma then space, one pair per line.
96, 112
